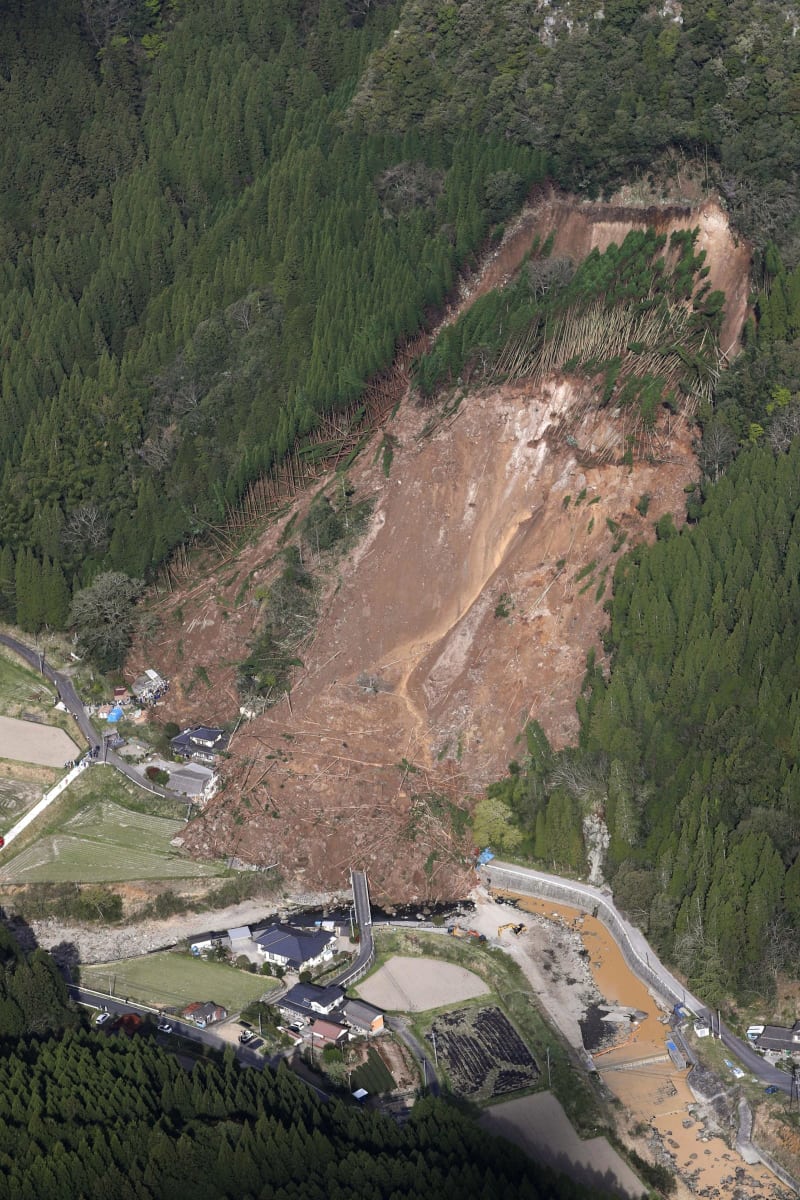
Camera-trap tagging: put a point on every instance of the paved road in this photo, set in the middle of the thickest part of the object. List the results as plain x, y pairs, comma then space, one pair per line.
429, 1076
66, 690
363, 913
640, 956
181, 1030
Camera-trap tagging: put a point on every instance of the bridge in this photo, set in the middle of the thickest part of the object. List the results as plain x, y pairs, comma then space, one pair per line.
363, 917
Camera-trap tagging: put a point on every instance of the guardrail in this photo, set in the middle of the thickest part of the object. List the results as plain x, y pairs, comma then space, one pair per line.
564, 892
356, 972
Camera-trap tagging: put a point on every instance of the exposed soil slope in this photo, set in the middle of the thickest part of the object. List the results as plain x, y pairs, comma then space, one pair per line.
467, 608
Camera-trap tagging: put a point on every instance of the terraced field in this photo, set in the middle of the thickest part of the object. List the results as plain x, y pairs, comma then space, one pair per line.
103, 843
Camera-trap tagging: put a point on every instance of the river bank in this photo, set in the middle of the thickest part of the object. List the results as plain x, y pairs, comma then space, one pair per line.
589, 991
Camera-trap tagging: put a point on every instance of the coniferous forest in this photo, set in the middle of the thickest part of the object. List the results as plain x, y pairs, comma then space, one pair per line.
199, 259
90, 1114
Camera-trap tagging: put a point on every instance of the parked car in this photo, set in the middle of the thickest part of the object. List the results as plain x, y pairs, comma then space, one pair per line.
246, 1036
164, 1027
2, 842
102, 1017
772, 1089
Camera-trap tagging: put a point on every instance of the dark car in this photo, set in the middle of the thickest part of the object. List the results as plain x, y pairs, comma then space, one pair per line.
772, 1089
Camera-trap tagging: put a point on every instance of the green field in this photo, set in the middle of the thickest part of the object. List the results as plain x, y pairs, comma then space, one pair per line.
103, 830
374, 1076
173, 979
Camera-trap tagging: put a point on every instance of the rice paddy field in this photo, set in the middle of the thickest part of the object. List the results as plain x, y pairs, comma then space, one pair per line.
173, 979
103, 830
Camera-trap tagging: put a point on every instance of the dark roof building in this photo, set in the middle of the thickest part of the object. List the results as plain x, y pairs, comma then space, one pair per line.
205, 1014
295, 948
308, 1000
362, 1016
777, 1037
202, 743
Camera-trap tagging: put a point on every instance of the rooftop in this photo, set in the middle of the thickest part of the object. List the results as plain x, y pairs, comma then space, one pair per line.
297, 946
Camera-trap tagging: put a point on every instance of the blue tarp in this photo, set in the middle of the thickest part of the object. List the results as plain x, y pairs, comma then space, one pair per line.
115, 715
484, 857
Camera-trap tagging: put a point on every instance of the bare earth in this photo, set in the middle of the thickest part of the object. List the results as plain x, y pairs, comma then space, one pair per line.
26, 741
419, 984
467, 608
539, 1125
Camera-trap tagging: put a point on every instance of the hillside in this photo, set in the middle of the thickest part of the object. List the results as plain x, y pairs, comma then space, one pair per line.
465, 609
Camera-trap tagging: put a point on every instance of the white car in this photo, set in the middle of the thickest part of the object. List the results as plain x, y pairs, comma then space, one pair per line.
164, 1027
245, 1036
102, 1017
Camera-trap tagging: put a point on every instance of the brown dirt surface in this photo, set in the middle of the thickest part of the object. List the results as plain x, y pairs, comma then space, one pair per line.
419, 984
467, 608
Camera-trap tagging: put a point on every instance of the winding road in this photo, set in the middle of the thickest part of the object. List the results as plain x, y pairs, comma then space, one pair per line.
73, 703
639, 955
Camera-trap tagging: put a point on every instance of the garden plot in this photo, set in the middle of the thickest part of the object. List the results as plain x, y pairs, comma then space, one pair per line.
105, 843
419, 984
18, 794
483, 1053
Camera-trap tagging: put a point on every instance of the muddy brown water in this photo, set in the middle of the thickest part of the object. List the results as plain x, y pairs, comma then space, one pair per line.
638, 1070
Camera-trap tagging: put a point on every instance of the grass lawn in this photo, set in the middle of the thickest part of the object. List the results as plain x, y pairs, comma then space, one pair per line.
23, 691
173, 979
102, 830
373, 1075
21, 688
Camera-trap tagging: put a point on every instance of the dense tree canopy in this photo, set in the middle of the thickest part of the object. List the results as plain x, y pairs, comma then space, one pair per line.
199, 260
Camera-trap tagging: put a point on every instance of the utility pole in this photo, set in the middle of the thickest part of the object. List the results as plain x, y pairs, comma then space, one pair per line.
435, 1054
549, 1076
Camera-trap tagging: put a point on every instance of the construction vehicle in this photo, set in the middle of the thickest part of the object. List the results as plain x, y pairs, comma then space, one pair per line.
517, 929
457, 931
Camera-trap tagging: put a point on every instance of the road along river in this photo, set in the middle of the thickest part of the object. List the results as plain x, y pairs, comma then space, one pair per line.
671, 1126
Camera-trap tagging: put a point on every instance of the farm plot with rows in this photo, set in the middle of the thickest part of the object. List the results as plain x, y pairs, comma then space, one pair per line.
483, 1053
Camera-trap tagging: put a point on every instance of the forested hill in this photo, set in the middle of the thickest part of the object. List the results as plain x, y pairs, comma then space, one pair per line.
198, 260
606, 88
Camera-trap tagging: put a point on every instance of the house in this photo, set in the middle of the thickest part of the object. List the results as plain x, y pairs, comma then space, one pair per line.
325, 1033
777, 1037
204, 1014
293, 948
363, 1017
305, 1001
201, 743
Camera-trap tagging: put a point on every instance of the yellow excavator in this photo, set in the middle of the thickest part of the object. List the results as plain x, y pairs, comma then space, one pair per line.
517, 929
